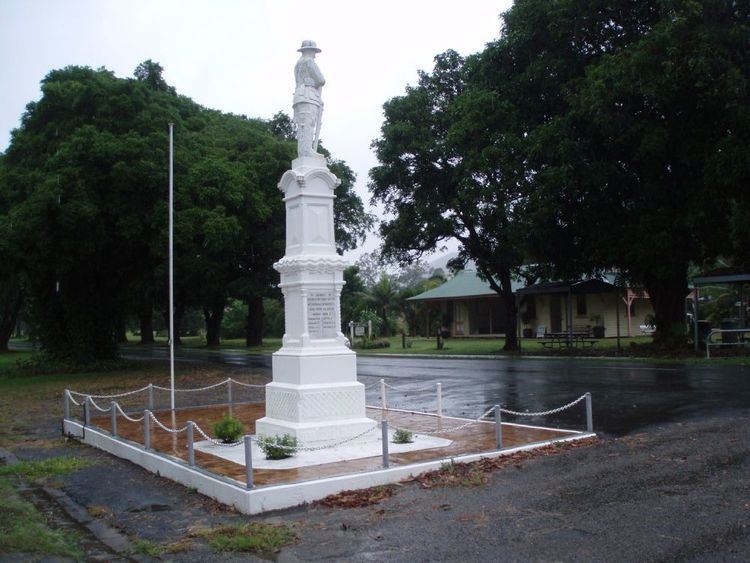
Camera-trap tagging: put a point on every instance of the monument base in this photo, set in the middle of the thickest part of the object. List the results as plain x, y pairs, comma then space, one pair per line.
315, 397
319, 434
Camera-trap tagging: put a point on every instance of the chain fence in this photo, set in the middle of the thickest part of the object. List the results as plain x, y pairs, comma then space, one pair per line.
387, 416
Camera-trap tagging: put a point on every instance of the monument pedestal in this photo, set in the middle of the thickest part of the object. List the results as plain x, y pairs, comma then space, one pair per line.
315, 395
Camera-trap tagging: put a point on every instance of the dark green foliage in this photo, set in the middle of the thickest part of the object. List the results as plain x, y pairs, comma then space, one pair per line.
625, 130
589, 136
228, 429
385, 299
11, 278
442, 175
278, 447
273, 325
83, 209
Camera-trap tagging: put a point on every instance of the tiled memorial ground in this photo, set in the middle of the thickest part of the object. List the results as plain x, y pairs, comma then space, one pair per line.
472, 439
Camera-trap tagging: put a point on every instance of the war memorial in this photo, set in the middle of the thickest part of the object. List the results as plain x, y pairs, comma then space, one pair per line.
340, 441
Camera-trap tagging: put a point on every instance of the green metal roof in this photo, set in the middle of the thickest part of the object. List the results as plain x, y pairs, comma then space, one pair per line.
465, 283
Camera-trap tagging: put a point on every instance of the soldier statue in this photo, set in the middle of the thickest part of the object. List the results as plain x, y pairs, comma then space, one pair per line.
307, 103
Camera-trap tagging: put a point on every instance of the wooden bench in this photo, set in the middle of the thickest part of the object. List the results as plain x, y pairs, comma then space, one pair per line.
565, 339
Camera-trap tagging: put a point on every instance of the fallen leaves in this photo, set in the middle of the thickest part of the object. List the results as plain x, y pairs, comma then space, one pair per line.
356, 499
476, 473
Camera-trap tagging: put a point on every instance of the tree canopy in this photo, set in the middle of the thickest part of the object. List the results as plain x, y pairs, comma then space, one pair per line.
83, 191
590, 136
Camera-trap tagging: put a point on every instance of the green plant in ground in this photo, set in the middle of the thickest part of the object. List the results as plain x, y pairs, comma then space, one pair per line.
402, 436
256, 537
24, 530
228, 429
147, 547
368, 344
278, 447
61, 465
447, 467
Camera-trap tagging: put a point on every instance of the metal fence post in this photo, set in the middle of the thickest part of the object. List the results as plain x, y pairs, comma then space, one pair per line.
66, 405
589, 414
249, 460
150, 396
113, 408
498, 428
87, 411
190, 445
147, 429
229, 391
382, 394
384, 428
440, 399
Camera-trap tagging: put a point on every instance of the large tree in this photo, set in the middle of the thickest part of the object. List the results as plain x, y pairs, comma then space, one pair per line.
645, 160
86, 184
84, 167
11, 276
591, 135
441, 176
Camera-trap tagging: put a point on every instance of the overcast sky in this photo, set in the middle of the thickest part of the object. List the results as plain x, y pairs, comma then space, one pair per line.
238, 56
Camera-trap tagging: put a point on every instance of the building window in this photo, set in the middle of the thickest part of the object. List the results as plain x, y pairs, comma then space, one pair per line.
581, 305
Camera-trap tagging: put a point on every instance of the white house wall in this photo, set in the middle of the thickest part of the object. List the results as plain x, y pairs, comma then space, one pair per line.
597, 304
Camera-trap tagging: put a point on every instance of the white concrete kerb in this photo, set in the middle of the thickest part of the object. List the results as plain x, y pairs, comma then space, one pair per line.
273, 497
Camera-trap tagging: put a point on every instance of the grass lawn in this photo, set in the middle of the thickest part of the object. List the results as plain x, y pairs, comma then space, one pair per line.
269, 346
635, 348
30, 410
485, 346
23, 529
9, 359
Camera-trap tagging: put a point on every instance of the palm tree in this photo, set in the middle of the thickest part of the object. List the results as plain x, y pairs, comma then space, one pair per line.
385, 298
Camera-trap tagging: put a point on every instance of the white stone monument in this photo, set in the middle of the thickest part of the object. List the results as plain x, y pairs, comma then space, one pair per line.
315, 395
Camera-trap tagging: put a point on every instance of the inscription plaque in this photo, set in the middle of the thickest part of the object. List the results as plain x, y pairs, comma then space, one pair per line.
321, 317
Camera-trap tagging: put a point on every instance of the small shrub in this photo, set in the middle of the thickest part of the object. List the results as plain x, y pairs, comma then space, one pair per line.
367, 344
228, 429
278, 447
448, 467
402, 436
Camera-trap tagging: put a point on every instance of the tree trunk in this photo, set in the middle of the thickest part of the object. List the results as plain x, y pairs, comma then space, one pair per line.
505, 290
213, 316
668, 300
146, 321
177, 324
511, 318
8, 319
121, 330
178, 312
385, 331
254, 326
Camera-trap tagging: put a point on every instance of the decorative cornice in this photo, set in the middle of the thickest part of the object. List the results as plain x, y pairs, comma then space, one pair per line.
304, 175
311, 264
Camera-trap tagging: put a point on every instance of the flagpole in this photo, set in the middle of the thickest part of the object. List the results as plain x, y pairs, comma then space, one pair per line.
171, 265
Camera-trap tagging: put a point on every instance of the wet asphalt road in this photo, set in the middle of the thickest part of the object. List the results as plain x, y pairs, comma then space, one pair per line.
627, 396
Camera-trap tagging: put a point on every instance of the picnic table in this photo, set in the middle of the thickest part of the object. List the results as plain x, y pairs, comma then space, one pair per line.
566, 339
